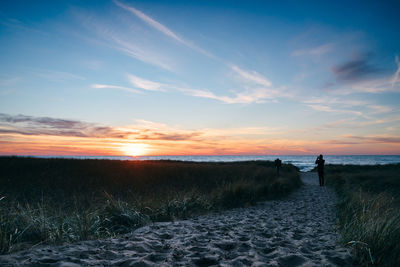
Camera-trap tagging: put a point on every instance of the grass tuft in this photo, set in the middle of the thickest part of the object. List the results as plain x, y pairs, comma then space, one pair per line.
369, 211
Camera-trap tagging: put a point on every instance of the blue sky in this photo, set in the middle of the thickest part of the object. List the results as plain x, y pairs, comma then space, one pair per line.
226, 77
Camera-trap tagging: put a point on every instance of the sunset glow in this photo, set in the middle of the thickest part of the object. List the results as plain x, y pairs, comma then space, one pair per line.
134, 150
136, 78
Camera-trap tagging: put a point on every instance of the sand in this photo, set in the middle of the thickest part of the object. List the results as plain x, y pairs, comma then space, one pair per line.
296, 231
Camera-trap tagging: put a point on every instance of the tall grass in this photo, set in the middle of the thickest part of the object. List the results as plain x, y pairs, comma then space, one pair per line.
369, 211
54, 201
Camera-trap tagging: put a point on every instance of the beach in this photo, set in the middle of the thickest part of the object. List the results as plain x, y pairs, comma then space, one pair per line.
298, 230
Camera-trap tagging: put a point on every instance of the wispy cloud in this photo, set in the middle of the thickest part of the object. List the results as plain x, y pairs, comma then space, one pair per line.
375, 86
57, 76
252, 76
204, 94
340, 142
356, 69
121, 36
30, 125
376, 139
378, 109
254, 87
334, 105
365, 112
145, 84
253, 95
137, 83
116, 87
396, 75
169, 136
257, 88
335, 101
140, 53
162, 28
315, 51
47, 121
393, 120
246, 96
325, 108
259, 95
360, 82
244, 131
239, 98
155, 24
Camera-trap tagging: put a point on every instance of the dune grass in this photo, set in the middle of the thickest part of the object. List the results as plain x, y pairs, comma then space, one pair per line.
369, 211
53, 201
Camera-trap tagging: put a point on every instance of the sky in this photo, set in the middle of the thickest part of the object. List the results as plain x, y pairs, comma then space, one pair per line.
135, 78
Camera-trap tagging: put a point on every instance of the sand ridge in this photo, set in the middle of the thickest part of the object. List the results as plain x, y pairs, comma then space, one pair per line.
294, 231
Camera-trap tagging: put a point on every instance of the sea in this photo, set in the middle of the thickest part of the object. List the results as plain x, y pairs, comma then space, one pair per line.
304, 163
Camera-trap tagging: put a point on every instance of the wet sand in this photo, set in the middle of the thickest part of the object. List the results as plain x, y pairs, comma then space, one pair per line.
295, 231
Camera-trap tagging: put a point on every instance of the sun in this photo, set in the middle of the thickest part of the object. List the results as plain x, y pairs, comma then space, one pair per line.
134, 150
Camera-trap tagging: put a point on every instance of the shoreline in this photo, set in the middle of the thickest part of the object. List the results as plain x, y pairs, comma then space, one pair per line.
303, 162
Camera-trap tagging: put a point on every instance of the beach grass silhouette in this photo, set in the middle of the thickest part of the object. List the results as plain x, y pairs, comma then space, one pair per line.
369, 211
294, 230
53, 201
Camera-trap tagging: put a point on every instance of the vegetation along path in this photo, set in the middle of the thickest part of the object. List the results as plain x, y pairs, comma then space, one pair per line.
295, 231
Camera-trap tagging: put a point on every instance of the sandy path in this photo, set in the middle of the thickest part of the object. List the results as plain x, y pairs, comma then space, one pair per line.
296, 231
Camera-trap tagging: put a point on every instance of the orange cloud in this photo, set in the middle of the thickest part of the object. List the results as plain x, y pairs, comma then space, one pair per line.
27, 135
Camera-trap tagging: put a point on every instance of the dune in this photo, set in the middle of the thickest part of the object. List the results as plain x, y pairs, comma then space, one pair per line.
298, 230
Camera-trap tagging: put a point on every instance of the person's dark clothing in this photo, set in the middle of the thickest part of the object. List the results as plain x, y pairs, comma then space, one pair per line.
320, 167
278, 165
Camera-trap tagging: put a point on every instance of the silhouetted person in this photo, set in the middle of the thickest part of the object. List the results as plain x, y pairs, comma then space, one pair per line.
278, 165
320, 167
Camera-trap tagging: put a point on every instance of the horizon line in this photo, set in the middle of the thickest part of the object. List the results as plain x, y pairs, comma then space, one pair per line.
196, 155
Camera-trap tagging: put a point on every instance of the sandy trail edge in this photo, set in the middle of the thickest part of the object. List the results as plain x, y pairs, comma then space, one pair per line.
295, 231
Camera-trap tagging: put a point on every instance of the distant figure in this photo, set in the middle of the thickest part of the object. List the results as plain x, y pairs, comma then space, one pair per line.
278, 165
320, 167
